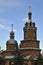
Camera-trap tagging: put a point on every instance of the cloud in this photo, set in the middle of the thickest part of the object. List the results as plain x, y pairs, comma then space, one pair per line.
9, 3
25, 19
2, 26
5, 25
2, 23
3, 20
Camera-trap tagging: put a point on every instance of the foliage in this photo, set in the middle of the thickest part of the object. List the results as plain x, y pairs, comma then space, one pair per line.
18, 59
39, 60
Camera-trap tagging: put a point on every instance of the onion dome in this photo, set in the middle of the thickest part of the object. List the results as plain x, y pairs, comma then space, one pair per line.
12, 43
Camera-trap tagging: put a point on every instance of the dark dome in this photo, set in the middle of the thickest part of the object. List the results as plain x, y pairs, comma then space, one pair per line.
11, 32
11, 41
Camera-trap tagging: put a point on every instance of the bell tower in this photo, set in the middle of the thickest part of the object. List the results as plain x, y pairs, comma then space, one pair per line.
30, 44
30, 30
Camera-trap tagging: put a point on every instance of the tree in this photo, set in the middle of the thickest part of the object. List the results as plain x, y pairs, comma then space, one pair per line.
39, 60
18, 59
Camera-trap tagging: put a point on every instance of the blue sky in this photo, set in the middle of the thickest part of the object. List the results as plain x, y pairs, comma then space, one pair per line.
16, 12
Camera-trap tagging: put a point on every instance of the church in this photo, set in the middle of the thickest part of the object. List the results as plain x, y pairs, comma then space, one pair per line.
29, 46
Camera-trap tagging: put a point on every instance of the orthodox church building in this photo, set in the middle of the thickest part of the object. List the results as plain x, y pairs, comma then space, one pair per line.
29, 46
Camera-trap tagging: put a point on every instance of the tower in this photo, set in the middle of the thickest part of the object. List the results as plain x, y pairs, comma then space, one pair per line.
12, 43
30, 31
30, 45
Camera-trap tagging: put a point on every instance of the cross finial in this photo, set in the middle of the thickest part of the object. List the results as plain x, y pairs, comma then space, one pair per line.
12, 27
30, 14
30, 8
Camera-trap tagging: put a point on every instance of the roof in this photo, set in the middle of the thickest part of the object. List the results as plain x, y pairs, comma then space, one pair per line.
30, 48
29, 57
9, 57
35, 58
12, 57
11, 41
